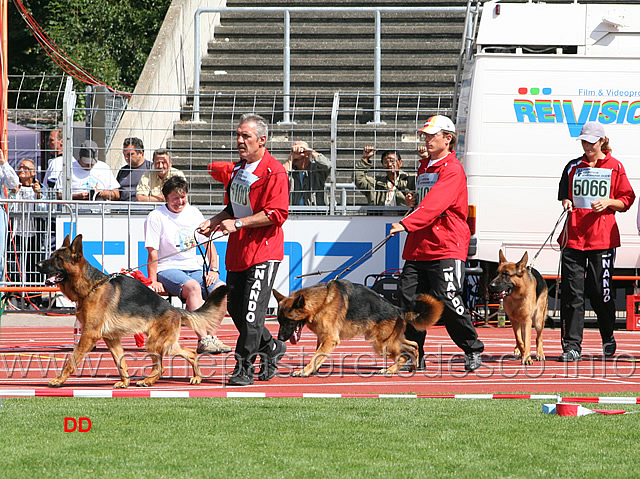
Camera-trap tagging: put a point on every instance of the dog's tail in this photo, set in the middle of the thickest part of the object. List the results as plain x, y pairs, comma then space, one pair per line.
210, 313
429, 312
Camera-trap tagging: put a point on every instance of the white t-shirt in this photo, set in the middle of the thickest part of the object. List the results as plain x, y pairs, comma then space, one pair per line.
169, 233
54, 169
100, 177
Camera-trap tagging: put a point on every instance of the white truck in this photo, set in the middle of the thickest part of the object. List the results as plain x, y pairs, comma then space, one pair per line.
538, 73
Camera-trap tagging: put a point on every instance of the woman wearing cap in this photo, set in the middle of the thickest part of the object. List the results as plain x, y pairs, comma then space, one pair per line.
438, 240
592, 188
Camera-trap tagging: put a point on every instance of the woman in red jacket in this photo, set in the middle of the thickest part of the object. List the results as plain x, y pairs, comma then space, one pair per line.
438, 240
592, 188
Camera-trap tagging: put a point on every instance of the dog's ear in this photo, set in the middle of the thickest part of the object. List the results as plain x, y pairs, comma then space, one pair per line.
299, 302
278, 296
501, 257
521, 266
67, 241
76, 246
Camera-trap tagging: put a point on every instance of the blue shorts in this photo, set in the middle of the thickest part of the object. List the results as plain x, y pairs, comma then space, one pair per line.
174, 279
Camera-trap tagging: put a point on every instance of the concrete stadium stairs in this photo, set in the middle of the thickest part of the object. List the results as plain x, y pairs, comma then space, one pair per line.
330, 52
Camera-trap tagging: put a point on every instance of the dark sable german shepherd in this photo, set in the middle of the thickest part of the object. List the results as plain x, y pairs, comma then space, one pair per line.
110, 307
525, 301
340, 310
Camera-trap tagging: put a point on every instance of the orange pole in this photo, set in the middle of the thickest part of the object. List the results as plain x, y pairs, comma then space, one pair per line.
4, 82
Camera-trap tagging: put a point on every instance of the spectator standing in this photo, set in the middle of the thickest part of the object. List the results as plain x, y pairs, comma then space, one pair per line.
308, 171
8, 180
55, 165
24, 226
590, 239
389, 188
173, 264
150, 184
130, 174
437, 242
90, 179
257, 207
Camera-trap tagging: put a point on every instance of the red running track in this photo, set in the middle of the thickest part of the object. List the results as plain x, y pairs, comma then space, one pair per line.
29, 357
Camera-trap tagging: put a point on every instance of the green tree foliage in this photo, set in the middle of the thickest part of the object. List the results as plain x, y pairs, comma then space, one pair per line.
110, 39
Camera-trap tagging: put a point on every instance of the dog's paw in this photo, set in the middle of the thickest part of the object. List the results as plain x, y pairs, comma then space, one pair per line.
56, 383
386, 372
143, 384
540, 357
195, 380
121, 385
300, 374
527, 361
516, 353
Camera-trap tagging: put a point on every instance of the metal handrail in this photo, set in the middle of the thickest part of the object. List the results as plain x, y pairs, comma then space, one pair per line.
286, 88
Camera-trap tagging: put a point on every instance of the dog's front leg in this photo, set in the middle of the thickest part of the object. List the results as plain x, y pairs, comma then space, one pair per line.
526, 338
115, 347
85, 345
322, 352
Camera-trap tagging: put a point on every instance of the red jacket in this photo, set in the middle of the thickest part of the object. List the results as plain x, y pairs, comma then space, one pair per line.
588, 229
250, 246
221, 171
438, 226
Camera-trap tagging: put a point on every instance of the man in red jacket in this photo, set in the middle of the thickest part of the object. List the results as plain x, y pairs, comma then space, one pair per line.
257, 206
438, 240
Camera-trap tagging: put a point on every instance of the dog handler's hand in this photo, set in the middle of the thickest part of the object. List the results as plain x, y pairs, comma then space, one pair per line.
396, 228
205, 228
567, 205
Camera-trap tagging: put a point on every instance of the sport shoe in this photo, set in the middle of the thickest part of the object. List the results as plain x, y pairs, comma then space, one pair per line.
472, 361
609, 348
242, 379
223, 348
409, 364
269, 364
212, 345
569, 356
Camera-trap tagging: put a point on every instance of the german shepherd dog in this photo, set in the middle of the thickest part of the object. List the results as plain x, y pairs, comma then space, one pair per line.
524, 294
340, 310
110, 307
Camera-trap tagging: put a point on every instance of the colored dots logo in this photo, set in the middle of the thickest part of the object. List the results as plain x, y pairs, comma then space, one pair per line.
534, 91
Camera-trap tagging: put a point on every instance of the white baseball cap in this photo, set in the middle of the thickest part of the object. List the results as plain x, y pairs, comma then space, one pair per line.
437, 123
592, 132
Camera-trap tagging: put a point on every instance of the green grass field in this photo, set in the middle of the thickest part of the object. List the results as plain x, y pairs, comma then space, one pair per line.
313, 438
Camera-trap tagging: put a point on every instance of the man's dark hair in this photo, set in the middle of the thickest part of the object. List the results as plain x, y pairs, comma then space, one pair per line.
389, 152
161, 152
175, 183
135, 142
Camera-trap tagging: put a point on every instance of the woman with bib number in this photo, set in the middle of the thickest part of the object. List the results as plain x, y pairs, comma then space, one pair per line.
592, 188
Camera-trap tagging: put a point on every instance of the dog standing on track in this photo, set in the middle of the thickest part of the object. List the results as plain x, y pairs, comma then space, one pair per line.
525, 296
110, 307
340, 310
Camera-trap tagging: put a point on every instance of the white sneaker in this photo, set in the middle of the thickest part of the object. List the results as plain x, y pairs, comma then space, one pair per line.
212, 345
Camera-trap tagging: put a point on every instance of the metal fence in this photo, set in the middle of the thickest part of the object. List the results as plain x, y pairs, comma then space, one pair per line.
337, 125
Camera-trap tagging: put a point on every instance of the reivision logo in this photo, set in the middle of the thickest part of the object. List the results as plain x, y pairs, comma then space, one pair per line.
605, 111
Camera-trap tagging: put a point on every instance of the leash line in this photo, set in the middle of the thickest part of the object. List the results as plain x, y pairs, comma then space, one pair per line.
564, 236
346, 269
195, 245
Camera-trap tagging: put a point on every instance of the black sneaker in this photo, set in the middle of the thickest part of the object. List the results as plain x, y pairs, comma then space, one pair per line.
472, 361
269, 364
240, 380
609, 348
240, 377
569, 356
407, 366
